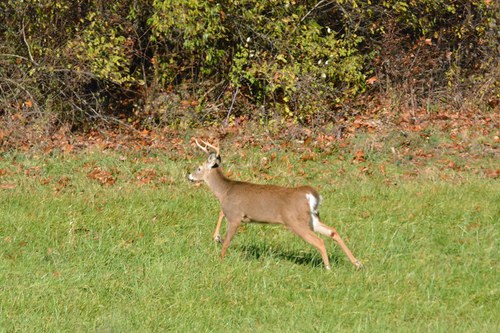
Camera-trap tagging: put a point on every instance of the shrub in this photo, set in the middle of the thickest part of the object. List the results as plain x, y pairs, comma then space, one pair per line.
184, 61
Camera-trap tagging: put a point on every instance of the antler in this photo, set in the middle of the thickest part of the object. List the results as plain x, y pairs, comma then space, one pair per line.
217, 149
201, 147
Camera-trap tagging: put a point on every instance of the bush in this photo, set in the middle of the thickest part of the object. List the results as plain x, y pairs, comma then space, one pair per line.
180, 62
435, 51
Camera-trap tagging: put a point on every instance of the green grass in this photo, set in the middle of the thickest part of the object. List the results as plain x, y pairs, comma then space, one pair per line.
137, 255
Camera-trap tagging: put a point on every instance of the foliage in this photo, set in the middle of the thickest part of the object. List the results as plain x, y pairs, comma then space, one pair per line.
439, 48
185, 61
295, 63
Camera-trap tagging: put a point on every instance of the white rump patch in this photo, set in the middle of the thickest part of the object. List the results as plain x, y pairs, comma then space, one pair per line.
313, 202
313, 209
315, 222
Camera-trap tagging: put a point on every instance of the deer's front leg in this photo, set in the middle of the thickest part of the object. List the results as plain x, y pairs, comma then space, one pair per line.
232, 227
217, 238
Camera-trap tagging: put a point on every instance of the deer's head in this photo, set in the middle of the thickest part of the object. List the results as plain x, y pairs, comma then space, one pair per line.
213, 161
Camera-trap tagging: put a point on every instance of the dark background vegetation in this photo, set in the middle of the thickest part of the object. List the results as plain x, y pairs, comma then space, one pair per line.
185, 63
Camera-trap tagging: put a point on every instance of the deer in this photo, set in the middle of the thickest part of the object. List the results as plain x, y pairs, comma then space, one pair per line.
241, 202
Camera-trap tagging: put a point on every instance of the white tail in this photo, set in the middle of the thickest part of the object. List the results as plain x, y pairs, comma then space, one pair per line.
296, 208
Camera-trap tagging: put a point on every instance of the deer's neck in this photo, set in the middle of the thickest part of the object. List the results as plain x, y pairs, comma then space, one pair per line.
218, 183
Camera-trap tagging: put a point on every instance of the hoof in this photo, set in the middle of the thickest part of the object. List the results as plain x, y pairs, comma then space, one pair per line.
358, 264
218, 239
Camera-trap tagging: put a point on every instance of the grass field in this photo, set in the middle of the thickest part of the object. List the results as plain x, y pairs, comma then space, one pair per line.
121, 242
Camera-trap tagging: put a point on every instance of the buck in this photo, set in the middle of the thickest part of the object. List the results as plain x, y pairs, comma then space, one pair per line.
296, 208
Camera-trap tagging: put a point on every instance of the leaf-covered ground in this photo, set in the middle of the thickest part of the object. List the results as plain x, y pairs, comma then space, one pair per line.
101, 231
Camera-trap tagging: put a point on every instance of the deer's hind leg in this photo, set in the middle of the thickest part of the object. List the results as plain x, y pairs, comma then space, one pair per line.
304, 232
331, 232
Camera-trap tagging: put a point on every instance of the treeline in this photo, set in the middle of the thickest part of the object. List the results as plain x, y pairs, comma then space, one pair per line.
185, 62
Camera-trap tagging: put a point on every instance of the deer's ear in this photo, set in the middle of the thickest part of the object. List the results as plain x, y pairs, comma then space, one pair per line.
214, 160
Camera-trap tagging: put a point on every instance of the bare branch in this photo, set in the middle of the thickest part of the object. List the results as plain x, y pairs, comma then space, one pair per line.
312, 9
232, 104
28, 46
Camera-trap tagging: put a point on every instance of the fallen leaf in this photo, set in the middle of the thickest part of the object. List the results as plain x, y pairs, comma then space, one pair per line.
102, 176
365, 170
308, 156
382, 169
359, 156
7, 186
493, 173
372, 80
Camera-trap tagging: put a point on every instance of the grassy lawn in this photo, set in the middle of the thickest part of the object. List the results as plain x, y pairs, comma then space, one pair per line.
116, 242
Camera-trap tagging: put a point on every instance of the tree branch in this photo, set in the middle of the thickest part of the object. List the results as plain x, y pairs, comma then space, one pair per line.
28, 46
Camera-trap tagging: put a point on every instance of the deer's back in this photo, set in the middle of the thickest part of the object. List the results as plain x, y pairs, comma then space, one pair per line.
267, 203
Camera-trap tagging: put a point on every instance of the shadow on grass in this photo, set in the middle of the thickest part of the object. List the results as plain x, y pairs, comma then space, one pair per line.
309, 258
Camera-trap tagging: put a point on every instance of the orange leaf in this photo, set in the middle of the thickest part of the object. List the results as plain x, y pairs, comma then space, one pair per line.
493, 173
308, 156
7, 186
382, 169
359, 156
372, 80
